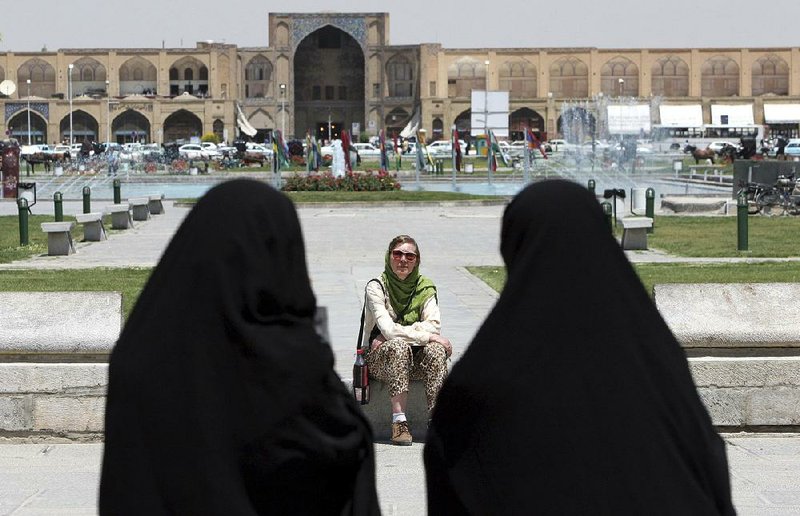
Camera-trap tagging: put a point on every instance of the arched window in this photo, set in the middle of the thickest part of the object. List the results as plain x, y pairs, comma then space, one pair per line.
720, 77
400, 77
173, 74
188, 74
465, 75
519, 79
203, 73
670, 77
258, 77
42, 76
770, 75
569, 77
614, 70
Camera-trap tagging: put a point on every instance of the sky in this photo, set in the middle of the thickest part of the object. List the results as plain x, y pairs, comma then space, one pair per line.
30, 25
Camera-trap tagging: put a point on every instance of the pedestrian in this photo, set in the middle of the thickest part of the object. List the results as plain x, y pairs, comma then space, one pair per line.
222, 398
402, 326
574, 397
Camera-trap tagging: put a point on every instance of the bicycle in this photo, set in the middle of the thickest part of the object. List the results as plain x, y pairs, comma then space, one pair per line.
752, 191
779, 197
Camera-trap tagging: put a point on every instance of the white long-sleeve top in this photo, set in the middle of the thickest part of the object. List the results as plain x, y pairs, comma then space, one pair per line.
379, 312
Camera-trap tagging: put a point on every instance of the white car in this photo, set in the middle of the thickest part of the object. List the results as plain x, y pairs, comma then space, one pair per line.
368, 151
196, 151
444, 147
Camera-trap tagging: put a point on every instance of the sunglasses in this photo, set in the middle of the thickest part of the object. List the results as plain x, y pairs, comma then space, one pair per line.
398, 254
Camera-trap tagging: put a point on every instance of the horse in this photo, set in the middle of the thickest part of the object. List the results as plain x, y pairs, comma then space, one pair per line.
699, 154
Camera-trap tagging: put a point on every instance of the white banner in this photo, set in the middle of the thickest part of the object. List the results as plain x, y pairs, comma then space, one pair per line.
489, 111
685, 115
732, 114
781, 113
628, 119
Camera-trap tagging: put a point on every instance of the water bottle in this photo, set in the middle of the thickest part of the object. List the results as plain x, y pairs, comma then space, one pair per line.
361, 378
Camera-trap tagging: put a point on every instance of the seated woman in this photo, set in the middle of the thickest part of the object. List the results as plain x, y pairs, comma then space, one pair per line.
401, 332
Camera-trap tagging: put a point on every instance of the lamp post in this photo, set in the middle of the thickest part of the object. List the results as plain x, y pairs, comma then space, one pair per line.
29, 110
108, 115
329, 127
69, 92
283, 109
486, 103
621, 85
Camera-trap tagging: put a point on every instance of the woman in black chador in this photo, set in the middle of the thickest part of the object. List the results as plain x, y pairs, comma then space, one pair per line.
574, 397
222, 398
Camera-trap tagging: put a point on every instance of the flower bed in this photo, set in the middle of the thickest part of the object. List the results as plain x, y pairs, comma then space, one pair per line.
366, 182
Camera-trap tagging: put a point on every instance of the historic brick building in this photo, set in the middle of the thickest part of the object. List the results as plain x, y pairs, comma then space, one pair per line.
326, 71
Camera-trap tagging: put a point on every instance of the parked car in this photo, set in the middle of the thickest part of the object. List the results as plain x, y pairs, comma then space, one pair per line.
445, 147
792, 148
368, 151
196, 151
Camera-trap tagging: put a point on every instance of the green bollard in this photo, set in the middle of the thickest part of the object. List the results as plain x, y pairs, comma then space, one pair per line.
117, 194
22, 205
58, 205
87, 199
741, 216
591, 186
650, 207
607, 210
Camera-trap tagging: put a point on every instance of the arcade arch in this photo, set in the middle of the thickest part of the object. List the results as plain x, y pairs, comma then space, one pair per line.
770, 74
88, 77
182, 125
188, 75
42, 76
670, 77
138, 76
720, 77
130, 126
569, 77
619, 77
258, 78
18, 125
84, 127
522, 119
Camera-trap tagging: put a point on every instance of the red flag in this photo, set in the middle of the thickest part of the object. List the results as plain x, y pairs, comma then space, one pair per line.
346, 149
534, 142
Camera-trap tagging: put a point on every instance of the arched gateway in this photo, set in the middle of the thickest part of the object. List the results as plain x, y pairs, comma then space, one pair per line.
328, 83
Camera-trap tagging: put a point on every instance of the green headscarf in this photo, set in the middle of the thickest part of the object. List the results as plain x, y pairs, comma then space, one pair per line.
409, 295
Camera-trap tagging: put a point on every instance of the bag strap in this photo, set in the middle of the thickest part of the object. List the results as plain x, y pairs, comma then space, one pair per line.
364, 311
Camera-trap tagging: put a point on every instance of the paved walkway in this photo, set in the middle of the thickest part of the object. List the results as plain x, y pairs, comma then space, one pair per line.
345, 246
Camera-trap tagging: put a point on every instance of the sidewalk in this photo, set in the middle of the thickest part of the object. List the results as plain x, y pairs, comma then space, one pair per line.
345, 247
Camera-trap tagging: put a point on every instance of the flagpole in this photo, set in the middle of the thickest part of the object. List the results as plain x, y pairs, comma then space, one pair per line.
489, 155
454, 142
526, 164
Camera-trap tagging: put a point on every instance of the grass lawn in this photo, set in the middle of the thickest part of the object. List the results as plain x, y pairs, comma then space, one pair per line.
717, 236
128, 281
10, 249
659, 273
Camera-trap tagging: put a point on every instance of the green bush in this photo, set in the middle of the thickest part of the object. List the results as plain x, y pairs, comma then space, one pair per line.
325, 182
210, 137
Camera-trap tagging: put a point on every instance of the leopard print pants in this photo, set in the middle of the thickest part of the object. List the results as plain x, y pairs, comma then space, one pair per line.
395, 363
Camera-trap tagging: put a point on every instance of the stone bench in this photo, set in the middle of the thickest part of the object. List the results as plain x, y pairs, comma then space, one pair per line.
93, 228
155, 204
59, 238
379, 409
634, 232
140, 207
120, 216
743, 344
53, 349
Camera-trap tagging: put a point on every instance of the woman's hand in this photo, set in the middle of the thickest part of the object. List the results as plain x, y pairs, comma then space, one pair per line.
445, 342
376, 342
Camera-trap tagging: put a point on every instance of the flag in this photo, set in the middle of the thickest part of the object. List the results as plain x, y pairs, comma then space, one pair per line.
309, 153
534, 142
421, 163
455, 150
346, 149
316, 153
384, 158
281, 151
495, 147
397, 152
491, 164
